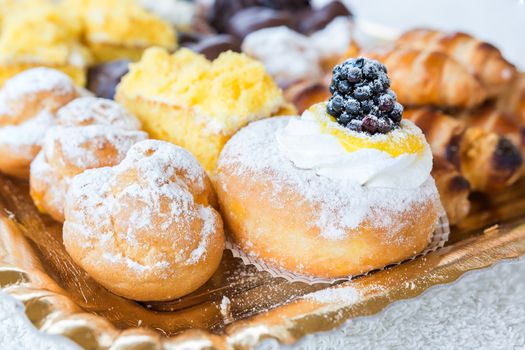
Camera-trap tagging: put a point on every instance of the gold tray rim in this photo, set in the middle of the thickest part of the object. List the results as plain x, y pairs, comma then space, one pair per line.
52, 312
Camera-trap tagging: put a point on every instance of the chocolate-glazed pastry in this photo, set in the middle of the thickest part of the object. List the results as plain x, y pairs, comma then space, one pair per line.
223, 10
251, 19
187, 38
286, 4
103, 78
313, 20
212, 46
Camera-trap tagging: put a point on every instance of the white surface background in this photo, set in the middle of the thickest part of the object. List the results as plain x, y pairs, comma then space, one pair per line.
500, 22
485, 310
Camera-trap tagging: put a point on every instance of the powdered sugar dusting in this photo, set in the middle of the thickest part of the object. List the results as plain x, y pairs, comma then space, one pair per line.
81, 146
340, 205
343, 295
37, 80
149, 194
22, 138
93, 110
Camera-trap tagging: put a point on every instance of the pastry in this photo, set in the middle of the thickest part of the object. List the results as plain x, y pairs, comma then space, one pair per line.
429, 78
489, 118
28, 102
146, 229
287, 55
242, 17
211, 46
480, 57
195, 103
512, 101
306, 93
453, 188
124, 29
346, 186
290, 56
91, 110
179, 13
489, 161
91, 133
103, 78
42, 33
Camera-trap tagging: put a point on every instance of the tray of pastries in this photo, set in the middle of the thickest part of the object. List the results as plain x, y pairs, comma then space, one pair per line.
208, 175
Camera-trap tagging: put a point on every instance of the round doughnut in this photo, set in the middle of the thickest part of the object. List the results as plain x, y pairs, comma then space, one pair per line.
311, 224
28, 102
145, 229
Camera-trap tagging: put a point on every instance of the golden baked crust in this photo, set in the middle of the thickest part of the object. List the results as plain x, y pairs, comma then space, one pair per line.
28, 102
281, 213
429, 78
484, 59
90, 133
145, 229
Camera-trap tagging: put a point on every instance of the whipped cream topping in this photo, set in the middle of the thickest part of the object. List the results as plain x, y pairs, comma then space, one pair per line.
307, 146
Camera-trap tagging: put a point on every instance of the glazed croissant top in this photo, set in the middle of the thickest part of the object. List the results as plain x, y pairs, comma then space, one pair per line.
429, 78
481, 58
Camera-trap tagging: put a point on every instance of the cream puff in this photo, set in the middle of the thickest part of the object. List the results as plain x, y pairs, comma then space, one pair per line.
91, 133
28, 102
146, 229
196, 103
342, 190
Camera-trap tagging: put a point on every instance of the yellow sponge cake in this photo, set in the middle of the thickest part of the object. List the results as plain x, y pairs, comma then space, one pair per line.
40, 33
196, 103
123, 29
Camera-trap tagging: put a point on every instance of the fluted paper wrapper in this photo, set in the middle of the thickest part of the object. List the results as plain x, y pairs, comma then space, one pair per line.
438, 240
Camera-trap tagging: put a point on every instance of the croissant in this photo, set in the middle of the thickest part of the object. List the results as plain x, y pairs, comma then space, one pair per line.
490, 162
489, 118
443, 132
485, 60
453, 190
512, 101
429, 78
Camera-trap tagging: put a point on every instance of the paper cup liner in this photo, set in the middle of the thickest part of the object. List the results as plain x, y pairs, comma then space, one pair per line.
438, 240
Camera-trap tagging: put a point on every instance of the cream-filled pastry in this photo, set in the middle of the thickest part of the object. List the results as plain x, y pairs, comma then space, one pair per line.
146, 229
91, 133
346, 186
28, 103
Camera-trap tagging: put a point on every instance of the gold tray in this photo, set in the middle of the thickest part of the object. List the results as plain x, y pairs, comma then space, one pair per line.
60, 298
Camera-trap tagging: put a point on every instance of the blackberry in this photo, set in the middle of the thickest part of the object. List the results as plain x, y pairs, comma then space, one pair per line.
361, 97
354, 75
363, 92
344, 118
343, 86
385, 103
352, 106
397, 113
